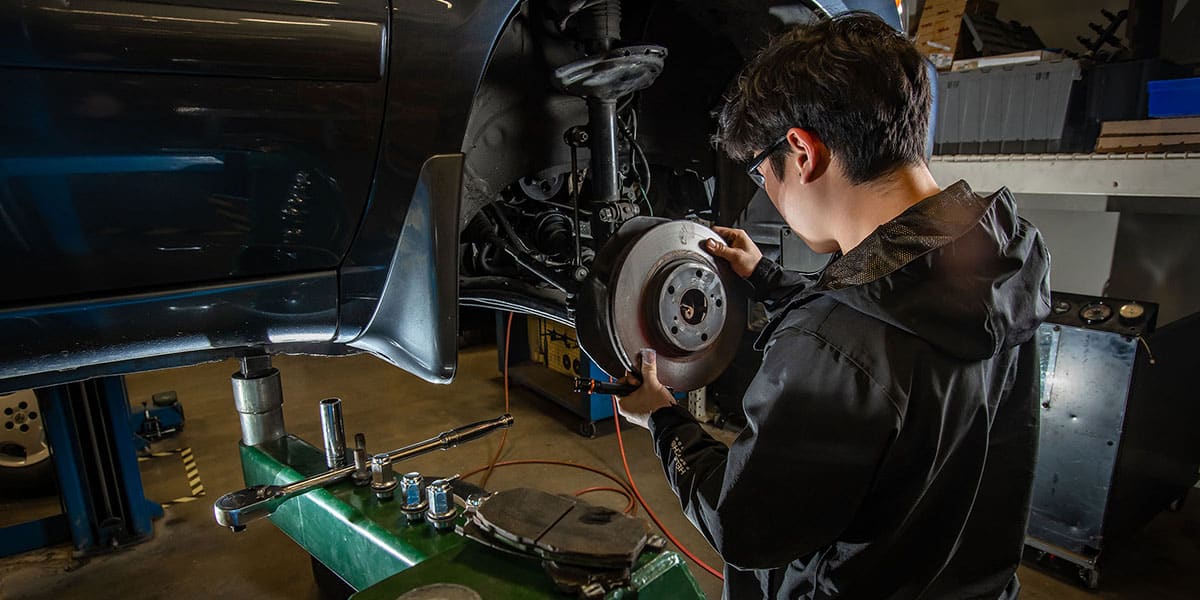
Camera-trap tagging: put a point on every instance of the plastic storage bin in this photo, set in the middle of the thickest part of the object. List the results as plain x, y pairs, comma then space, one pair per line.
1119, 91
1013, 109
1175, 97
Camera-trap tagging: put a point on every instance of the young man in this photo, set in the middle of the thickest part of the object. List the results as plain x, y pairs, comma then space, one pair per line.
893, 423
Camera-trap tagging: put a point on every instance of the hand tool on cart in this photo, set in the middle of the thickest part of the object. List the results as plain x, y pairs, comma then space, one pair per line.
236, 509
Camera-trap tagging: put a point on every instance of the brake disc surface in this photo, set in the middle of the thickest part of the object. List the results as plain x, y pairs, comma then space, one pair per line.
654, 286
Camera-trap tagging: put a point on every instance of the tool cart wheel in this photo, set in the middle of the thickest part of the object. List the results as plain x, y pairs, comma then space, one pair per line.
587, 429
1090, 577
719, 421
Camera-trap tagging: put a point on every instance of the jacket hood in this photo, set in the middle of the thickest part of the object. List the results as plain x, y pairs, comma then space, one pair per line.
961, 271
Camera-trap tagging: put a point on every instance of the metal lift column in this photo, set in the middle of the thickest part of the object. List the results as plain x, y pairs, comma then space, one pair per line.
92, 444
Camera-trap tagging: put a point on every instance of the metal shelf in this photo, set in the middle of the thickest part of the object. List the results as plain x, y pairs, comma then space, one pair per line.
1154, 175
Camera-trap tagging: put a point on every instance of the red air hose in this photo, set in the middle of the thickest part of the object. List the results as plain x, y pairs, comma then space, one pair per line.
624, 489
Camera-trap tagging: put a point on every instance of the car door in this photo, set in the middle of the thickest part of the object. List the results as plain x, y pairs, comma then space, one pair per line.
148, 145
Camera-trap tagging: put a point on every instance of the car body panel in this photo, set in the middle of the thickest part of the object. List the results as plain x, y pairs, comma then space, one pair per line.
152, 144
275, 39
413, 327
175, 188
438, 59
61, 342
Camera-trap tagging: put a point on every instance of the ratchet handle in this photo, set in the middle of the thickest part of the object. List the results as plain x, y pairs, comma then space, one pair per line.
592, 386
474, 431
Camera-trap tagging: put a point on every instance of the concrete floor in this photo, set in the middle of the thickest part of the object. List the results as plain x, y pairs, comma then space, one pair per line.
191, 557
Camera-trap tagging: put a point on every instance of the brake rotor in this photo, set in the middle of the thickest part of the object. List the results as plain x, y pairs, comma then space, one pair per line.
654, 286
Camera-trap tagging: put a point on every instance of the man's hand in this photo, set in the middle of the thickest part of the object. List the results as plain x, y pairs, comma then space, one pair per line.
649, 397
738, 250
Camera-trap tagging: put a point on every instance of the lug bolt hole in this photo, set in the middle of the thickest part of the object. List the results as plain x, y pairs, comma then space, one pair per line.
24, 428
704, 337
8, 412
670, 289
22, 405
32, 415
674, 329
8, 425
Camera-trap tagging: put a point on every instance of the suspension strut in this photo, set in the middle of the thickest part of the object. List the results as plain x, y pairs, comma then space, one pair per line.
607, 74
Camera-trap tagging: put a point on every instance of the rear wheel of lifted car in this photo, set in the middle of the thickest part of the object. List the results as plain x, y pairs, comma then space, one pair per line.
25, 466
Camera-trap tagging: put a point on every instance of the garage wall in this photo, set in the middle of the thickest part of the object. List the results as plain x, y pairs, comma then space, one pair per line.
1125, 247
1157, 257
1058, 22
1081, 246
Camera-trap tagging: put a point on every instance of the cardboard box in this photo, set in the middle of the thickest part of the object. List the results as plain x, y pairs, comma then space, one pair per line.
1151, 135
941, 26
1016, 58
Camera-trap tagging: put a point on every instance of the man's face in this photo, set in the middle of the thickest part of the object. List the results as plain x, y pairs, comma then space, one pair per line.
772, 185
796, 203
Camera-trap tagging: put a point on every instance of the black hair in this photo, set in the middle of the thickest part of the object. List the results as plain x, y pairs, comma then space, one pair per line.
853, 81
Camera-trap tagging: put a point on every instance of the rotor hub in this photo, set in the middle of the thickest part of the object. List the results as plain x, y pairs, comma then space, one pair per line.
690, 311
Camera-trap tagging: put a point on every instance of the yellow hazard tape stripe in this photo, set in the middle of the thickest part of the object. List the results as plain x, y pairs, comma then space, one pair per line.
183, 500
193, 476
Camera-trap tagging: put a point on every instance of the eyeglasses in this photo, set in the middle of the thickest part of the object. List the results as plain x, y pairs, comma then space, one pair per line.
752, 168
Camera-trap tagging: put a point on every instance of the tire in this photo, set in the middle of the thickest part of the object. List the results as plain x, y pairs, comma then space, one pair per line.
34, 481
26, 470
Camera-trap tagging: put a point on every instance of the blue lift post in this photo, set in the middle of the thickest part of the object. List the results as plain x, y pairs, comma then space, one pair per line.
92, 443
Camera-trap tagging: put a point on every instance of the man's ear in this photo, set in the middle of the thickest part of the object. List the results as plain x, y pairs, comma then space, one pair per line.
809, 157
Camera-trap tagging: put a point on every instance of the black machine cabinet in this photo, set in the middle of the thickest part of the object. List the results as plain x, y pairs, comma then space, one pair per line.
1118, 422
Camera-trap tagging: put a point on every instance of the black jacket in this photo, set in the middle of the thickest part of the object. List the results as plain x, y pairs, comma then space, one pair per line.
892, 427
